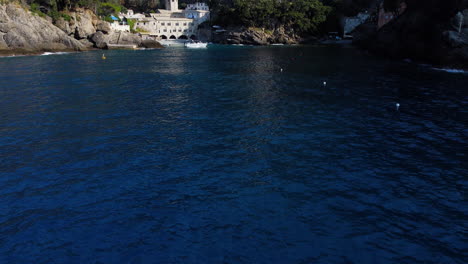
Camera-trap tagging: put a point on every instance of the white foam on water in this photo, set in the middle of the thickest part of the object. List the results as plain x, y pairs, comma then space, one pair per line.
12, 56
451, 70
43, 54
54, 53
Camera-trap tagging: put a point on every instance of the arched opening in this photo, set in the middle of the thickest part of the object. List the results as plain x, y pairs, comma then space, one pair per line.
183, 37
163, 37
193, 37
172, 37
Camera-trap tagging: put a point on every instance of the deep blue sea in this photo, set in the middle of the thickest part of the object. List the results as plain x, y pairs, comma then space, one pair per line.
216, 156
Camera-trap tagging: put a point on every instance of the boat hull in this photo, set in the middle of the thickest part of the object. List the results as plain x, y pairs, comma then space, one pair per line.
196, 45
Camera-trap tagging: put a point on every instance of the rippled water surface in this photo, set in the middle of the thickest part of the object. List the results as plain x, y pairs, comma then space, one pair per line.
215, 156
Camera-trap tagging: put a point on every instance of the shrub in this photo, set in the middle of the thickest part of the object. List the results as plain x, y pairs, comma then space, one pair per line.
54, 14
35, 9
131, 23
304, 16
108, 19
107, 9
139, 30
66, 17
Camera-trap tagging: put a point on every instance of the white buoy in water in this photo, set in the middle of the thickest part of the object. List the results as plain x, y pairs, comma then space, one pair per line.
281, 69
397, 106
324, 83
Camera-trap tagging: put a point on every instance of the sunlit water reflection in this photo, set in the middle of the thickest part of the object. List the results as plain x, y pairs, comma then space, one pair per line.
215, 156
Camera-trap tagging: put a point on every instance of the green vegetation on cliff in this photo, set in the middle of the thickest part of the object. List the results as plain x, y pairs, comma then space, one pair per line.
303, 16
59, 8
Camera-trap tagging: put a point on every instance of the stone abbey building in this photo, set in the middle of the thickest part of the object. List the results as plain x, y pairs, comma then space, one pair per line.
173, 23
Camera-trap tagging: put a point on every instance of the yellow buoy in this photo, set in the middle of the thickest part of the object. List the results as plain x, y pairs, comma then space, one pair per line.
103, 56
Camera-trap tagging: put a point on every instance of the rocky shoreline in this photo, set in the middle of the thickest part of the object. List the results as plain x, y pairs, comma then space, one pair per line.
420, 34
436, 34
255, 36
25, 33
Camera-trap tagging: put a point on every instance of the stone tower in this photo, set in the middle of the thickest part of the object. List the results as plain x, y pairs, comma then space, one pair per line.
172, 5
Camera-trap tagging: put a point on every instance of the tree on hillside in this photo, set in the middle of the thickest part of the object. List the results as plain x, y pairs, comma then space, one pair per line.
303, 16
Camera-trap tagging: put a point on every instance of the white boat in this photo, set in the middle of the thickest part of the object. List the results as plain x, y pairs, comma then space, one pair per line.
196, 45
173, 42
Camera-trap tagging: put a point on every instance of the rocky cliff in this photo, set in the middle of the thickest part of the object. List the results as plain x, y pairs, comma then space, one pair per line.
23, 32
254, 36
82, 23
433, 32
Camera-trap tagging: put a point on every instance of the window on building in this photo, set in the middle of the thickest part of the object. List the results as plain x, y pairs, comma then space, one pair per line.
163, 24
185, 24
165, 30
168, 24
177, 24
180, 30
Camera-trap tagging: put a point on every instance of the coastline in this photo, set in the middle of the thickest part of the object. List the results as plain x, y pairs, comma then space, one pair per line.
27, 52
44, 52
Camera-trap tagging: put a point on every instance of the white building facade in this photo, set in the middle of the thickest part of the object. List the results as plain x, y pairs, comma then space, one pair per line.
119, 26
173, 23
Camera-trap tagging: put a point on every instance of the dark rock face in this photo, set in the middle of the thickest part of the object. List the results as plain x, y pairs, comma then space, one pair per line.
151, 44
456, 39
433, 32
22, 31
248, 37
255, 37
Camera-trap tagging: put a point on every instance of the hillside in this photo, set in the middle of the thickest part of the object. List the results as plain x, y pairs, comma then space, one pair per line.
435, 32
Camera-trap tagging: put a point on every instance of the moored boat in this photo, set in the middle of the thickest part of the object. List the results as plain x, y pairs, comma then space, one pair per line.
196, 44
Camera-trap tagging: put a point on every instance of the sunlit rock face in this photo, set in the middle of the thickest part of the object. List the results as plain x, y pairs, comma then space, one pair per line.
22, 30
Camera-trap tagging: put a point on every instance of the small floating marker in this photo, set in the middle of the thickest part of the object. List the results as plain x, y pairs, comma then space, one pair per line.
397, 106
103, 56
324, 83
281, 69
